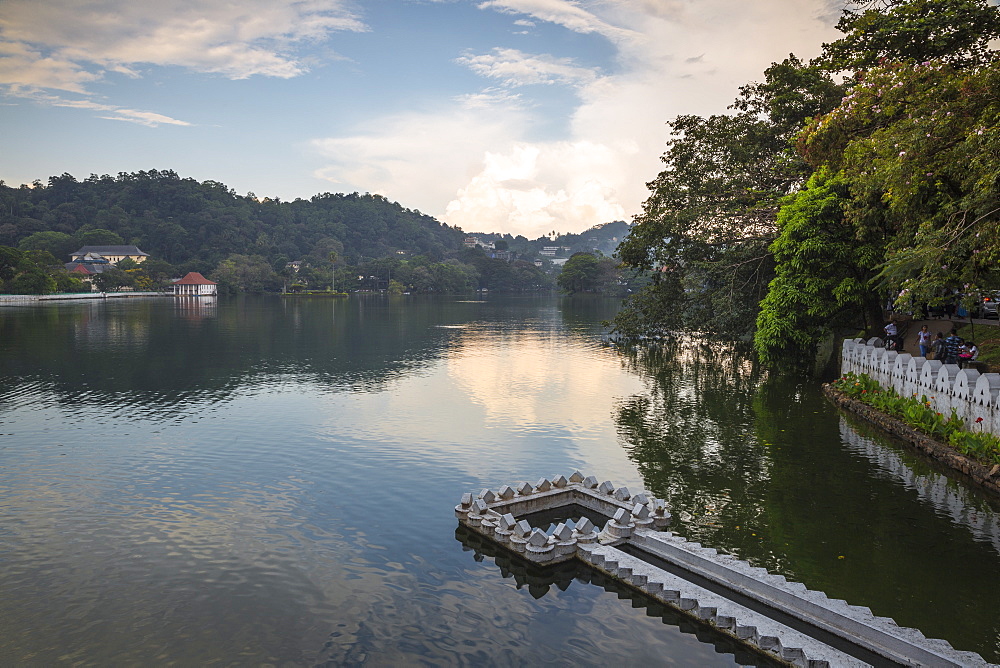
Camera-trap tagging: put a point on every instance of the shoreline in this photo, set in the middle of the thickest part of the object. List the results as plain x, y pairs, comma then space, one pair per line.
14, 300
983, 475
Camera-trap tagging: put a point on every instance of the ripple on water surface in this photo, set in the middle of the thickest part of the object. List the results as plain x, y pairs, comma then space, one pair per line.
273, 482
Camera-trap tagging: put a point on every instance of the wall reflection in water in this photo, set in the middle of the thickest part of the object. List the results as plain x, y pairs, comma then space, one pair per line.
762, 466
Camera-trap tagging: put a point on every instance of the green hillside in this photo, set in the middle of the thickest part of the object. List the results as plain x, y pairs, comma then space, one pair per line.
182, 221
343, 241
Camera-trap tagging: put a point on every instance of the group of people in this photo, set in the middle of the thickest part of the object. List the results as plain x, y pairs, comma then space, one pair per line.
951, 350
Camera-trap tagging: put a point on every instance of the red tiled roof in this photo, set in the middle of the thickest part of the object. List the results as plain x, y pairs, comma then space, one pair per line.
81, 269
194, 278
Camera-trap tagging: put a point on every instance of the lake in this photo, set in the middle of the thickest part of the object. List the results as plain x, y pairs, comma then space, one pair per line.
269, 481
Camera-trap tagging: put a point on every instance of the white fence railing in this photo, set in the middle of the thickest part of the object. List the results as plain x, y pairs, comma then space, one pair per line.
971, 394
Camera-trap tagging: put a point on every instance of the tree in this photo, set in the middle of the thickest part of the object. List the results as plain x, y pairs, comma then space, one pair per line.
26, 272
584, 272
127, 264
957, 32
59, 244
822, 274
244, 273
99, 237
159, 271
705, 229
34, 281
111, 279
919, 146
11, 262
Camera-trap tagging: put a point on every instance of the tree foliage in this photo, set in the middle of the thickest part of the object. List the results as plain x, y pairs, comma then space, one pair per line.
920, 145
186, 222
33, 272
246, 273
585, 272
904, 197
189, 226
957, 32
711, 214
822, 273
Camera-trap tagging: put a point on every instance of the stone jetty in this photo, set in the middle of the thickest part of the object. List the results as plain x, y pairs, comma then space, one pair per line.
623, 535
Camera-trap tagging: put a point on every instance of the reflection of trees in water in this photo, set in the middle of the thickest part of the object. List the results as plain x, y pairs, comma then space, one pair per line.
756, 465
142, 353
693, 435
167, 353
963, 505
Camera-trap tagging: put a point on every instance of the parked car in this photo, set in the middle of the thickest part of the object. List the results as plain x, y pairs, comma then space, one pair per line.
988, 307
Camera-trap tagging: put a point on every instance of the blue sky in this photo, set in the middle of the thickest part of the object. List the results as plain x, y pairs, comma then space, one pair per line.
519, 116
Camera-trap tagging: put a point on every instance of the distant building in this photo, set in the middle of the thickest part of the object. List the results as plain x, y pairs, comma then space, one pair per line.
294, 265
86, 271
472, 242
549, 251
112, 254
195, 285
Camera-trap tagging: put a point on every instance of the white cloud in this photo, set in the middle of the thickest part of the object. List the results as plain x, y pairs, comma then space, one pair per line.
66, 44
534, 188
147, 118
514, 68
489, 98
420, 158
671, 57
23, 69
566, 13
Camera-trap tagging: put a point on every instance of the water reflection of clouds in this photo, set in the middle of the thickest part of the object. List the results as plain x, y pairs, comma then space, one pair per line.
523, 379
535, 399
243, 516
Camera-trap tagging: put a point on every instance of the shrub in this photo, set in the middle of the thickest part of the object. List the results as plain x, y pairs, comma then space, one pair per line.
919, 414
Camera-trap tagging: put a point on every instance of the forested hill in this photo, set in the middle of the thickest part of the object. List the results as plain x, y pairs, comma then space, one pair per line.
192, 224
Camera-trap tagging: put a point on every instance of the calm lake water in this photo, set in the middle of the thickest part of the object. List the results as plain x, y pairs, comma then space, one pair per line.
271, 482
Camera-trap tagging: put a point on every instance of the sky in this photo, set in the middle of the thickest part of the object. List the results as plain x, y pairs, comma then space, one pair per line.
513, 116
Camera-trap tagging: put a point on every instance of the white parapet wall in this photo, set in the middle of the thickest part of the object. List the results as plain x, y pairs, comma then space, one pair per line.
971, 394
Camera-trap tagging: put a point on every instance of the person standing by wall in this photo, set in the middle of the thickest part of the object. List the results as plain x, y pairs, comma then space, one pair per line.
951, 346
924, 341
937, 349
890, 335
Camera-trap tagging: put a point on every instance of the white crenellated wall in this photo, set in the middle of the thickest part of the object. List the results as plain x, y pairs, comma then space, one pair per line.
972, 394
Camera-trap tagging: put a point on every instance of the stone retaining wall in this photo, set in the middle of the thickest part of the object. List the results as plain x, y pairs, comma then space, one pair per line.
32, 299
971, 394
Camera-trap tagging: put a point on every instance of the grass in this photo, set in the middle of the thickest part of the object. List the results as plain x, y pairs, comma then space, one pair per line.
987, 337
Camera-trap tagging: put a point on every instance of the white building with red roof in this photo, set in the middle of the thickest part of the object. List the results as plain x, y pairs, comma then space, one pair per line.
195, 285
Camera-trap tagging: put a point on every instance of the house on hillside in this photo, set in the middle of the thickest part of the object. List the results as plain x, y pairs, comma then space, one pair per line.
111, 254
195, 285
86, 270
